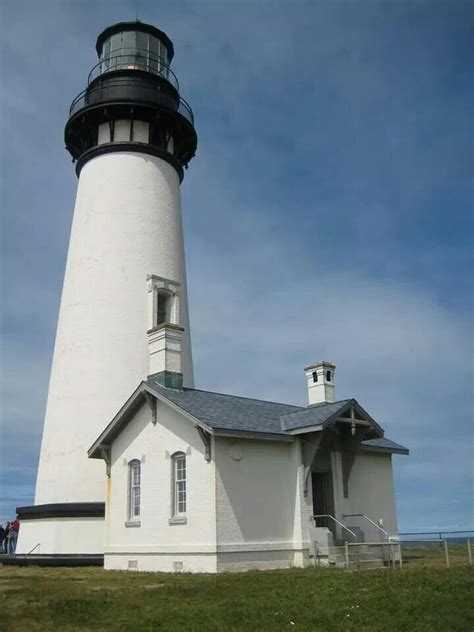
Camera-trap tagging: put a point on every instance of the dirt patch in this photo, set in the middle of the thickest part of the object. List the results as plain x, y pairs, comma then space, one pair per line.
153, 586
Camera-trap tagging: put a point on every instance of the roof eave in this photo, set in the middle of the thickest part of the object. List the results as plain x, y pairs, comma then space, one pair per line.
385, 450
136, 399
305, 429
248, 434
94, 452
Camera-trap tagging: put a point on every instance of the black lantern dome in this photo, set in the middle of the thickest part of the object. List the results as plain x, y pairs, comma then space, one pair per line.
132, 100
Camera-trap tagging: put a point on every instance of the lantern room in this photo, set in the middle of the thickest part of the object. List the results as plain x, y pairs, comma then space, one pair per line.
134, 46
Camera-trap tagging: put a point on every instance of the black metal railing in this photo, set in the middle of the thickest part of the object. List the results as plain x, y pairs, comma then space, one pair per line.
123, 90
135, 59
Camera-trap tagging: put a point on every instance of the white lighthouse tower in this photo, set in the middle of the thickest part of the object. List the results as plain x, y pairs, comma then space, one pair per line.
131, 135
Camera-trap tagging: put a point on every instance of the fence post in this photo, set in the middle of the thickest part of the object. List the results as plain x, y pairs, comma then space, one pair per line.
400, 561
346, 546
446, 552
469, 552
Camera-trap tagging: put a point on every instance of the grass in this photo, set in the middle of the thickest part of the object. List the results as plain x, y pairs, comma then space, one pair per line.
421, 596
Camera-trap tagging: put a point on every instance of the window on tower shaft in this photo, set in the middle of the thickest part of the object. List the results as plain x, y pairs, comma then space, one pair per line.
163, 308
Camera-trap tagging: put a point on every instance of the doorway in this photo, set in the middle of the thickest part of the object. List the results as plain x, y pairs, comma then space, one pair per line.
323, 498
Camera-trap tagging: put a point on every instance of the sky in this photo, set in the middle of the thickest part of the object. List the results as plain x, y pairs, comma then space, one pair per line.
327, 215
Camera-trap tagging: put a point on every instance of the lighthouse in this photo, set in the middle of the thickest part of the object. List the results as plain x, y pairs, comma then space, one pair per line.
131, 136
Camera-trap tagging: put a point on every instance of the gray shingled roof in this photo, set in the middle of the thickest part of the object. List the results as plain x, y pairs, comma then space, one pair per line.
314, 415
230, 413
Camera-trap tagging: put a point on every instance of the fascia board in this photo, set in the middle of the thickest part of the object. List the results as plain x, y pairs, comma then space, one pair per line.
94, 451
248, 434
120, 419
382, 450
306, 429
177, 408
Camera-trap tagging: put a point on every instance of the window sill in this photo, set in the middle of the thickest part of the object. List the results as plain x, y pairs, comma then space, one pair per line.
178, 520
132, 523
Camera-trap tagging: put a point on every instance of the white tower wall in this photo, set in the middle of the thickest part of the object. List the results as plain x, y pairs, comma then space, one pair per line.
127, 225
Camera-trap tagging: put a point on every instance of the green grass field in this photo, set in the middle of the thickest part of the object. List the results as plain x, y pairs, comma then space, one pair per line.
421, 596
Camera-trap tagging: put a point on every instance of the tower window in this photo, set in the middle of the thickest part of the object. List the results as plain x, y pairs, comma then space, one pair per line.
328, 376
315, 376
163, 309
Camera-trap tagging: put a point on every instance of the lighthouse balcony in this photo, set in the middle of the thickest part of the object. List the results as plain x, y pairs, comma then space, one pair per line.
122, 88
132, 78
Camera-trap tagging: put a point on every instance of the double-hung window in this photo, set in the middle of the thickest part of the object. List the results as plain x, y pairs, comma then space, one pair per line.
134, 490
179, 484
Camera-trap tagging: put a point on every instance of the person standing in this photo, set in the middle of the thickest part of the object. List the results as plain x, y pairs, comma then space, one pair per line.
6, 538
14, 528
2, 538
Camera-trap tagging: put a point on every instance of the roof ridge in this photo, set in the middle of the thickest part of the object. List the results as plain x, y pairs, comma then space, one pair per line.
341, 401
253, 399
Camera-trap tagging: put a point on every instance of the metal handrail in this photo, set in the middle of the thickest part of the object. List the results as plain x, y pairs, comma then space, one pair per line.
30, 552
136, 59
341, 524
369, 520
391, 560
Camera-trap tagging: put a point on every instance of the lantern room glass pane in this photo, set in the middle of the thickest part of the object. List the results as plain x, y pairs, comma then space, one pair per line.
115, 46
129, 39
142, 51
154, 53
105, 55
116, 42
134, 50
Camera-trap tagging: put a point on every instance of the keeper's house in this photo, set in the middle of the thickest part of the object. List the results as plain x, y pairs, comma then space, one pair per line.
206, 482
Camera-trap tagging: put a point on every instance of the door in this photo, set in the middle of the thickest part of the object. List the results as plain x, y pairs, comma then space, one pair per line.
323, 499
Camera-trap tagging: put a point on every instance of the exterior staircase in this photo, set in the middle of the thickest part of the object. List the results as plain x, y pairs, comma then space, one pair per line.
345, 547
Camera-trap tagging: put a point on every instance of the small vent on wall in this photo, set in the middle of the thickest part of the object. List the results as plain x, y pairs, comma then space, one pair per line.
132, 565
178, 566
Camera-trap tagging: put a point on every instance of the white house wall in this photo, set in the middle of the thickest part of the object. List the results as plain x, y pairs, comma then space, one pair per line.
257, 497
157, 545
371, 492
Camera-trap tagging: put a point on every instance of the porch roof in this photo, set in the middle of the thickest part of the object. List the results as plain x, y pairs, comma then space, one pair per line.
383, 445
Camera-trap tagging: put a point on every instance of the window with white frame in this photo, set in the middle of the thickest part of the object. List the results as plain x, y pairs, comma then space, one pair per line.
134, 489
179, 484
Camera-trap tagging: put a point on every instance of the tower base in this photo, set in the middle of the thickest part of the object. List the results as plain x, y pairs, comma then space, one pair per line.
61, 530
52, 560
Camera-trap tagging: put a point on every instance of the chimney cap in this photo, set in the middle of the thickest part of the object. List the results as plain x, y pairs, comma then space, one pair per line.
316, 365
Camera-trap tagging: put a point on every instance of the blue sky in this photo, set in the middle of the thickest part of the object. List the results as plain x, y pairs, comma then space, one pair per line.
327, 214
